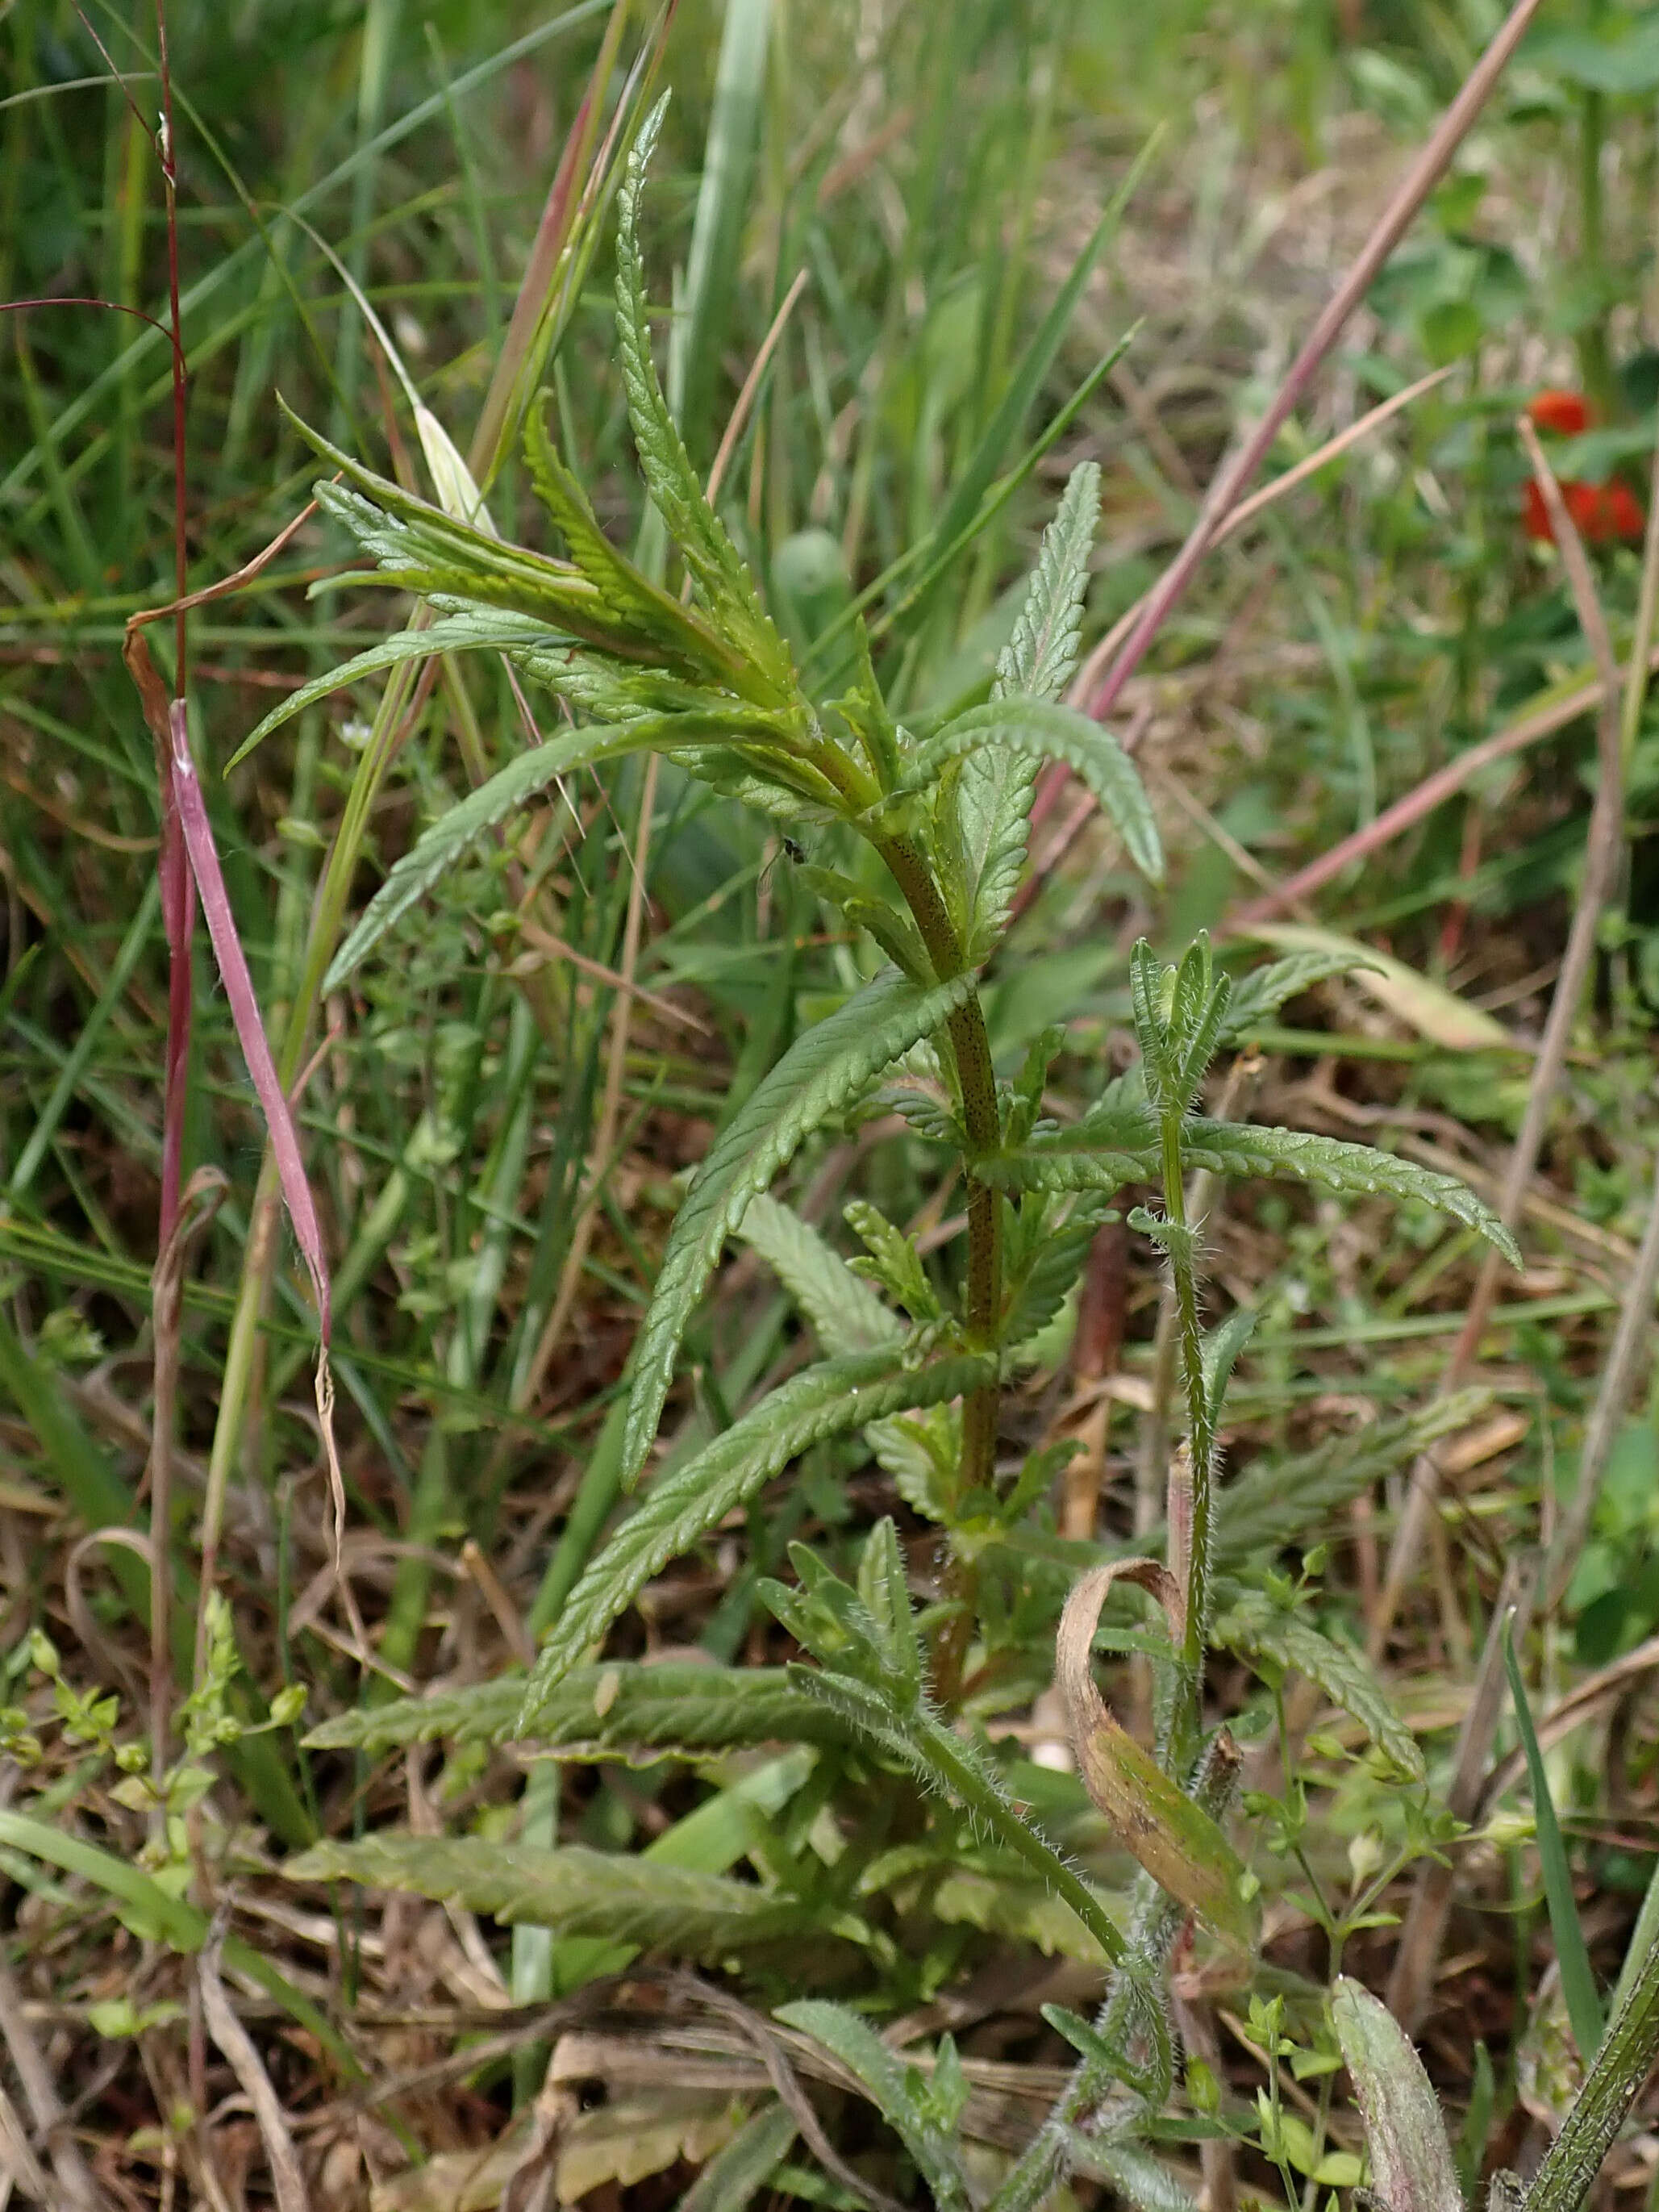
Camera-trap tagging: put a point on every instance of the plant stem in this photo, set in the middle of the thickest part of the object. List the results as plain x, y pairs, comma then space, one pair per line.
970, 1048
1200, 1445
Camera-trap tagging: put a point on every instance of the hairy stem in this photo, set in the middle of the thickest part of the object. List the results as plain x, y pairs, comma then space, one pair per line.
1201, 1441
970, 1048
1152, 1931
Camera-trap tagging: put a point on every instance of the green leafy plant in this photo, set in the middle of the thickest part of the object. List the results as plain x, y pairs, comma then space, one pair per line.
912, 1365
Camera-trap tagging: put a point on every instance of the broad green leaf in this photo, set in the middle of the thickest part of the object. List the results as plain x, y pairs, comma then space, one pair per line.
1412, 2168
1424, 1005
671, 482
734, 2177
825, 1401
611, 1895
453, 834
1627, 65
895, 2089
1019, 1909
1255, 1628
1578, 1988
1039, 730
823, 1071
628, 1711
994, 786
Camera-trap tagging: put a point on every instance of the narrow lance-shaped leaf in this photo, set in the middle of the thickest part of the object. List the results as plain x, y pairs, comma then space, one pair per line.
453, 834
994, 790
1257, 1628
1621, 2066
893, 2089
574, 1891
823, 1071
679, 497
1042, 730
1174, 1840
628, 1710
846, 1316
1572, 1954
1412, 2168
825, 1400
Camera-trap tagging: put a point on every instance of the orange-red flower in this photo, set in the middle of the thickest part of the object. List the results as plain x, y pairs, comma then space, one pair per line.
1602, 513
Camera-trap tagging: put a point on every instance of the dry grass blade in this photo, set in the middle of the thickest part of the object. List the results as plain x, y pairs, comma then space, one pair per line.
1603, 847
287, 2180
77, 2191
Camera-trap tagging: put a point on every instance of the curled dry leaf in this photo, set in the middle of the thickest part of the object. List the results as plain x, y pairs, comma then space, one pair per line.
1176, 1840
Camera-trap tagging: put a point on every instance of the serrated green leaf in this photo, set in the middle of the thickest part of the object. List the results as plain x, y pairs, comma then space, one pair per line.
1104, 1150
1255, 1627
846, 1316
626, 589
1243, 1148
1258, 997
1412, 2168
845, 1312
611, 1895
891, 1260
1288, 1501
454, 834
825, 1401
628, 1710
994, 786
1038, 659
480, 629
890, 2086
1016, 1909
892, 929
696, 529
823, 1071
1039, 730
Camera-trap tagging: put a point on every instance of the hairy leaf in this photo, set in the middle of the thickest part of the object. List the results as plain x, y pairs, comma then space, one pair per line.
1289, 1501
846, 1316
994, 786
1255, 1628
896, 2090
628, 1710
1103, 1151
1038, 661
454, 834
1042, 730
825, 1401
678, 496
1257, 998
823, 1071
619, 1898
1412, 2168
